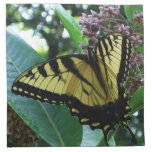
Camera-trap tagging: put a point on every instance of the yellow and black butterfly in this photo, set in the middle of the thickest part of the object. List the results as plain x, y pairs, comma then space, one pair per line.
90, 85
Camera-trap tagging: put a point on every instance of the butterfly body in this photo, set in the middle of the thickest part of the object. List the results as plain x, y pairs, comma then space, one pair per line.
90, 85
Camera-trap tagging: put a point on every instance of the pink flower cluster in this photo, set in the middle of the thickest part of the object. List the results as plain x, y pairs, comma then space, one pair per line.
138, 17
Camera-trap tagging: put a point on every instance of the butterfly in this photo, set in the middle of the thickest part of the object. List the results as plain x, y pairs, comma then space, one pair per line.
91, 85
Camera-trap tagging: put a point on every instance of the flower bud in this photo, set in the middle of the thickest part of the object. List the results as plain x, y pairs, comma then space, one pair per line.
95, 27
94, 13
84, 15
83, 45
93, 41
85, 31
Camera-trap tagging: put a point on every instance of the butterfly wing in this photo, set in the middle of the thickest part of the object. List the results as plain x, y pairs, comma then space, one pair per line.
90, 86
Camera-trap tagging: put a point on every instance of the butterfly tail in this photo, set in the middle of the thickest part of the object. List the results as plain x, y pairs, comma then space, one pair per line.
106, 138
134, 141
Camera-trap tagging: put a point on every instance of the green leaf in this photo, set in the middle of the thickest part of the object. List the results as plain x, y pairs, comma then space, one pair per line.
141, 48
95, 137
130, 9
54, 124
91, 137
71, 25
137, 100
112, 141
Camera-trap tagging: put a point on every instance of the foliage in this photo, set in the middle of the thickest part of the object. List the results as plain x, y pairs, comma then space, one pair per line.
36, 18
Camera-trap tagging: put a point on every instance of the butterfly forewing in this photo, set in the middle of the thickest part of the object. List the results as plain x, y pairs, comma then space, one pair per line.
57, 81
114, 53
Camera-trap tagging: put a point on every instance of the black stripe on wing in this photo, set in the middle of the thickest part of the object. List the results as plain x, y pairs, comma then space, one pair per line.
39, 94
106, 48
95, 66
55, 67
42, 70
124, 65
69, 64
99, 47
